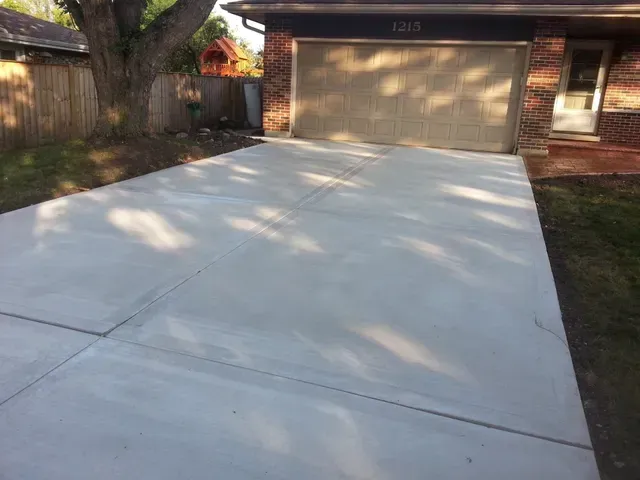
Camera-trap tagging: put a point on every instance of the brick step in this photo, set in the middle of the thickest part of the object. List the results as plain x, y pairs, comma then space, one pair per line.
570, 145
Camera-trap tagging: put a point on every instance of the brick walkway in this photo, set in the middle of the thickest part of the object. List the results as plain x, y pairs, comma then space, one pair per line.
576, 158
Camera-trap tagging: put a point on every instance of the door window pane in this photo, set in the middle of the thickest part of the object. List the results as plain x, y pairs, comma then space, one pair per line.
583, 77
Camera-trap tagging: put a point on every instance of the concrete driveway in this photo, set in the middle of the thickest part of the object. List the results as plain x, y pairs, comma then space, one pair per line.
299, 309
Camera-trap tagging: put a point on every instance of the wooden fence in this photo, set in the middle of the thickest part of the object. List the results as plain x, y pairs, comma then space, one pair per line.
42, 104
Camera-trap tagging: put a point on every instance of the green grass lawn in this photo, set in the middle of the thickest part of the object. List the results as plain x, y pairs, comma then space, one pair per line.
35, 175
592, 230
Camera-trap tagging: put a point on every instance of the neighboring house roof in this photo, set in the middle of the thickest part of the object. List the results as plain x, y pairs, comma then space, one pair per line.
24, 29
257, 9
228, 46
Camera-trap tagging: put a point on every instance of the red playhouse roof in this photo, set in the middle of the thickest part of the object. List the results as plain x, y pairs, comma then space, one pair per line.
226, 45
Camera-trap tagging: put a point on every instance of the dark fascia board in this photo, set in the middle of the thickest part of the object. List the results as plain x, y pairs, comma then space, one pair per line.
41, 42
257, 11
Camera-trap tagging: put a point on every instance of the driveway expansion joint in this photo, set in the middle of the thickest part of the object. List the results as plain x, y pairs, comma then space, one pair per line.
428, 411
52, 324
271, 224
47, 372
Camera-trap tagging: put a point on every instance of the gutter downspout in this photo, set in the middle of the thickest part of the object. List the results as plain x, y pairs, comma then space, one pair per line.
249, 27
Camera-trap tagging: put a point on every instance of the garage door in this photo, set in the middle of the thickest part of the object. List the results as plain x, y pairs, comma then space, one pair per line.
442, 96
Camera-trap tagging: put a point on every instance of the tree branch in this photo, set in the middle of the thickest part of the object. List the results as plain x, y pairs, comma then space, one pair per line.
194, 58
128, 15
170, 29
75, 10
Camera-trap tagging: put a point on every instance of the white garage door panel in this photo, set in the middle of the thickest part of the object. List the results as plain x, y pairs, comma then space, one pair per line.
443, 96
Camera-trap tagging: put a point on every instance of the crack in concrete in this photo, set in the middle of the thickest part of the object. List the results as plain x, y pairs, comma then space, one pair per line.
539, 325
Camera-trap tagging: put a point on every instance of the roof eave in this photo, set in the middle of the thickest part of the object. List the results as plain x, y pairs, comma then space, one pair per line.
44, 43
257, 12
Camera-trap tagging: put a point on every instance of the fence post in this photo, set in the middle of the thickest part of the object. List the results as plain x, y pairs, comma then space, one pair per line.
72, 102
232, 94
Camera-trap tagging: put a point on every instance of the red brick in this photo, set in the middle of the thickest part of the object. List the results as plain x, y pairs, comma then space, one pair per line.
545, 67
622, 93
278, 60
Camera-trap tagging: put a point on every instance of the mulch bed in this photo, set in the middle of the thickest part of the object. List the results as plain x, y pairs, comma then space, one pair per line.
140, 156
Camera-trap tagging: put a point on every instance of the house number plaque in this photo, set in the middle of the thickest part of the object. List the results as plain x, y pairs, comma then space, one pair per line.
401, 26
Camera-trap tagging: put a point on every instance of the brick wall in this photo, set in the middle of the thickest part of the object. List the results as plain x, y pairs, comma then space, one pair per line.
545, 67
620, 120
623, 84
278, 58
618, 127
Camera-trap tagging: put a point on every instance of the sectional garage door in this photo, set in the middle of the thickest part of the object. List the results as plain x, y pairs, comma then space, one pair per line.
434, 95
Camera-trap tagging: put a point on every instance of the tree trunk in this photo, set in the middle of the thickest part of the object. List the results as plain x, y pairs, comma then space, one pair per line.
123, 102
123, 83
125, 58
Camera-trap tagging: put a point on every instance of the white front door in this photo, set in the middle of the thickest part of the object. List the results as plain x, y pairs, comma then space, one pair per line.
579, 98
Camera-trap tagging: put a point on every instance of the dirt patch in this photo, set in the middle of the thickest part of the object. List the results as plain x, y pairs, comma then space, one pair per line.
592, 231
35, 175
